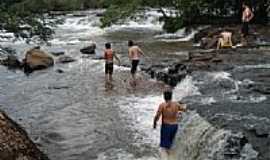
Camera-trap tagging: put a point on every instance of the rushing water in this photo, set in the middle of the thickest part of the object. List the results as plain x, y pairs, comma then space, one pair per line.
73, 116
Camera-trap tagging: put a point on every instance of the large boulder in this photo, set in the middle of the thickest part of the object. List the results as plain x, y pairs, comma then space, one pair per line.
89, 49
36, 59
15, 143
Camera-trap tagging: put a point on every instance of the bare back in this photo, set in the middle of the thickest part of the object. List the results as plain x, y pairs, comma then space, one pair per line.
134, 53
227, 38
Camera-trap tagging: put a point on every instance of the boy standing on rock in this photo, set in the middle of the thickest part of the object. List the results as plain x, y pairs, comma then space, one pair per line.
108, 56
247, 16
134, 54
169, 112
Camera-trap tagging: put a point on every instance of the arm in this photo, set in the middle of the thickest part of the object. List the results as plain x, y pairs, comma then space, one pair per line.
129, 54
141, 52
157, 116
251, 15
182, 107
104, 55
116, 57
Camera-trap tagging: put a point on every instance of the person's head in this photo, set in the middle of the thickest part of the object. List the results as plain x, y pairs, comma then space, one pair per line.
167, 95
108, 45
244, 5
130, 43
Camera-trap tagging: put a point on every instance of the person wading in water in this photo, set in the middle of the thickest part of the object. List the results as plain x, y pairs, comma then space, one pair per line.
108, 56
134, 54
247, 16
169, 111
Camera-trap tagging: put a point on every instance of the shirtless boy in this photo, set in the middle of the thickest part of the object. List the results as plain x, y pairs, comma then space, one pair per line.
247, 16
169, 112
134, 53
108, 56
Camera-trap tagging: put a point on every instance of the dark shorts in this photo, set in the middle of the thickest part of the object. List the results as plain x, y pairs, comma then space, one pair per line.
167, 134
134, 66
108, 68
245, 28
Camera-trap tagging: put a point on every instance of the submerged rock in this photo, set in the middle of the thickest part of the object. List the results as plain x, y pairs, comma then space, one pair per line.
89, 49
58, 53
36, 59
11, 62
15, 143
66, 59
198, 139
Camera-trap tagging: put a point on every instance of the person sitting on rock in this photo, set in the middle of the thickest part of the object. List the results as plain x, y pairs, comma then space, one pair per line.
108, 56
169, 111
225, 39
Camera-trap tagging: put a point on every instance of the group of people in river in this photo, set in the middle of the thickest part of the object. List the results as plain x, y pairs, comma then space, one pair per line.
225, 37
169, 110
134, 54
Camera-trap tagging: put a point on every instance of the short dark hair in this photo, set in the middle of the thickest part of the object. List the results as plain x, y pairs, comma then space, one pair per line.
107, 45
167, 95
130, 43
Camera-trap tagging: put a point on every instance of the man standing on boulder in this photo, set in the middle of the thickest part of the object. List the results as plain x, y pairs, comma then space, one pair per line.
169, 111
247, 16
134, 53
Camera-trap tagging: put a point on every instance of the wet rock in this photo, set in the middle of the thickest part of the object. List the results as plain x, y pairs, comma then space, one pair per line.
198, 139
170, 75
66, 59
58, 87
260, 131
58, 53
89, 49
36, 59
60, 71
7, 51
11, 62
262, 88
234, 145
15, 143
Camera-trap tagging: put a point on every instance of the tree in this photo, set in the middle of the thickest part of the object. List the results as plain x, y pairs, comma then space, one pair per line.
188, 12
25, 18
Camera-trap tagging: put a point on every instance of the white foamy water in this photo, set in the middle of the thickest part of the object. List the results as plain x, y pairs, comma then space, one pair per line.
141, 111
266, 66
179, 36
144, 20
198, 139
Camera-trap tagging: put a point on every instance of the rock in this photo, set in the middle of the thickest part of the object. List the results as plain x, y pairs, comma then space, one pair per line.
66, 59
58, 53
58, 87
89, 49
262, 88
36, 59
11, 62
7, 50
260, 131
15, 143
59, 71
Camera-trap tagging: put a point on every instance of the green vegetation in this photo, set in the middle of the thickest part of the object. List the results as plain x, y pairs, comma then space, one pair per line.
189, 12
26, 18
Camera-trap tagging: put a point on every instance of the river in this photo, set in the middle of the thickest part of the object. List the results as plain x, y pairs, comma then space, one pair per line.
73, 116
